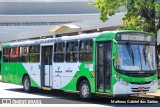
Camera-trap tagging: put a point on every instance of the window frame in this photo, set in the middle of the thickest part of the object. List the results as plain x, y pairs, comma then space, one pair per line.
23, 54
38, 53
72, 51
6, 54
91, 51
13, 55
62, 52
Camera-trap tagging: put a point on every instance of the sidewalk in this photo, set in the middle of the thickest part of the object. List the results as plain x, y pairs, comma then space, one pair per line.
156, 94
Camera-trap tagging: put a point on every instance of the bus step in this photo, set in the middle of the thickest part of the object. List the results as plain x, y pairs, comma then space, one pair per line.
100, 93
46, 88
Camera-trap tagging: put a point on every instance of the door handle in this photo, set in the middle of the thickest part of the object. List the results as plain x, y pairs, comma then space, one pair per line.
34, 74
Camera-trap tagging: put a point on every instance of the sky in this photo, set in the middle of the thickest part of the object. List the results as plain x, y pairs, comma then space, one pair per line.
45, 0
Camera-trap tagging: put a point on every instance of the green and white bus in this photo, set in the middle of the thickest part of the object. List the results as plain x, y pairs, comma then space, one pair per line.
110, 62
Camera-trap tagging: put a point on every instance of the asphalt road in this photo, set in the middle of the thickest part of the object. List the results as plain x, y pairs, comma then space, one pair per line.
60, 97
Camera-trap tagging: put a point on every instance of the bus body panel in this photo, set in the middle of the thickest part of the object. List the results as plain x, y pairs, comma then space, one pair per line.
83, 70
33, 71
119, 88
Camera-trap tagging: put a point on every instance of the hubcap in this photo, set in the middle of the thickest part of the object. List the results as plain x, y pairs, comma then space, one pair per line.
26, 84
85, 90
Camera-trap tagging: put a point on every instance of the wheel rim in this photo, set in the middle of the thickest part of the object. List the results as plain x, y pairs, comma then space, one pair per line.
26, 84
85, 90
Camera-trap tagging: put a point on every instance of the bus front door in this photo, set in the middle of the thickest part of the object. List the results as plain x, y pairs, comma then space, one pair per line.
46, 66
103, 70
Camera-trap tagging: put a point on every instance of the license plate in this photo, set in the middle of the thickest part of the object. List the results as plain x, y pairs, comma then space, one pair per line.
140, 88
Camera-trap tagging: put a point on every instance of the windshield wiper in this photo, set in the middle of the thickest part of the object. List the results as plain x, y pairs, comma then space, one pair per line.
144, 51
130, 51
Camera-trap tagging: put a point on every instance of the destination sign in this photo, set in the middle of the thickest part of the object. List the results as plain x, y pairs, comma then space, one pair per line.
135, 37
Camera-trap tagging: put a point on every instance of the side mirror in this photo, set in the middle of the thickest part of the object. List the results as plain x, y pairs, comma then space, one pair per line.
115, 48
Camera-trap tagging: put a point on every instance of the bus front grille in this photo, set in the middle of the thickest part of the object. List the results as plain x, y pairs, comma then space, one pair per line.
140, 83
137, 89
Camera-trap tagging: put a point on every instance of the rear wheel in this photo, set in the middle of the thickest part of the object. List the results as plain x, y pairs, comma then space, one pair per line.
26, 84
85, 90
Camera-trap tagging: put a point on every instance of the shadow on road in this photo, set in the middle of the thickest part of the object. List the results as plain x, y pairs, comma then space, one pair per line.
61, 97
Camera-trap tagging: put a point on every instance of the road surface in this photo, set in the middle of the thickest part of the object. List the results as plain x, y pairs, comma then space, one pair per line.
59, 97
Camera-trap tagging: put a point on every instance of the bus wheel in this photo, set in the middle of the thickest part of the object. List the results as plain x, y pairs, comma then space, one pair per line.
85, 90
26, 84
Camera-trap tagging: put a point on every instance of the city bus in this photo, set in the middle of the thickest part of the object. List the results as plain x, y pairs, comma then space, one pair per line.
104, 63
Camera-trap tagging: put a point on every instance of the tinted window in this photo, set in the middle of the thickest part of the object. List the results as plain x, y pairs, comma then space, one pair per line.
34, 55
6, 54
23, 54
59, 49
72, 51
6, 51
34, 49
86, 50
13, 54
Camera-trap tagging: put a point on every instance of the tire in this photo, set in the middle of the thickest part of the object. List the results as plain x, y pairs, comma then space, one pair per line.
85, 90
26, 84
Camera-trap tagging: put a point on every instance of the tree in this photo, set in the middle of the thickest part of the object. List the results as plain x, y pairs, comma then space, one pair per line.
143, 15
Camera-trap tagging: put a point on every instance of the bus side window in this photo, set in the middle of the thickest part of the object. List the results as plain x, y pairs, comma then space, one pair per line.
72, 51
23, 54
6, 54
13, 54
85, 54
34, 53
59, 49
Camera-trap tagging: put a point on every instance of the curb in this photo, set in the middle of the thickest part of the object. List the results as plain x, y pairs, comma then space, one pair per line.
156, 96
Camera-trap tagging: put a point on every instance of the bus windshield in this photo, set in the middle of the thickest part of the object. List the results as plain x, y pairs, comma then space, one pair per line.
141, 58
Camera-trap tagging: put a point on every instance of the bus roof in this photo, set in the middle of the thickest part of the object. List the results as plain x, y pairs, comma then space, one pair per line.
64, 38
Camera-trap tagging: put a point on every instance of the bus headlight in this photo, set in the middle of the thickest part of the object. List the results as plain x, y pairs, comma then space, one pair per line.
126, 83
117, 78
121, 81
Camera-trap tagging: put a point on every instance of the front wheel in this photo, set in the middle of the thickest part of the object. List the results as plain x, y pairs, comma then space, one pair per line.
85, 90
26, 84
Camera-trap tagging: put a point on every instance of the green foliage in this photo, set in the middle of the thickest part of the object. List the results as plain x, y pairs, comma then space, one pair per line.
157, 8
108, 7
142, 15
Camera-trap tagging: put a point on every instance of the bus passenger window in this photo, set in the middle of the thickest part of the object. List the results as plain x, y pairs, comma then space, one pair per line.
23, 54
59, 49
34, 53
13, 54
86, 50
6, 54
72, 51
